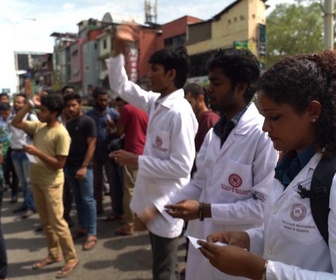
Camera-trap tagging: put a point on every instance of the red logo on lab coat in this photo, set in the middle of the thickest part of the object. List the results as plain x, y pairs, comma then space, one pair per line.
235, 180
158, 141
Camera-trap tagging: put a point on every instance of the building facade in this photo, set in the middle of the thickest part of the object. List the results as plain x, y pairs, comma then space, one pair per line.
82, 61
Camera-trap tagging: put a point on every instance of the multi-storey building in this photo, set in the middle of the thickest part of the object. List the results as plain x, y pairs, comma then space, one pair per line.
81, 58
61, 58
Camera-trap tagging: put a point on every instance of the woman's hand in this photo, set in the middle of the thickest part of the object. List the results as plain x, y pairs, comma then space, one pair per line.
233, 260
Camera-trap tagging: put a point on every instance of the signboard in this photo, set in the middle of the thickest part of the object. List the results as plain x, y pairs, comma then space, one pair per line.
240, 45
201, 80
246, 45
5, 90
262, 45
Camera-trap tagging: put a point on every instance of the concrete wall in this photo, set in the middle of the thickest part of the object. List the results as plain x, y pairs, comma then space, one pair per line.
239, 23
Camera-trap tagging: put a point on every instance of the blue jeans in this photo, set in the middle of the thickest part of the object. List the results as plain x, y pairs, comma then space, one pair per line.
85, 203
22, 169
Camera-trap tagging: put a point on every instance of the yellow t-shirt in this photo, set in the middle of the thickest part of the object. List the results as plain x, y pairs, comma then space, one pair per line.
51, 141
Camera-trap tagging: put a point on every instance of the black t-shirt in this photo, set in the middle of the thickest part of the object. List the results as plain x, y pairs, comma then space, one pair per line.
79, 129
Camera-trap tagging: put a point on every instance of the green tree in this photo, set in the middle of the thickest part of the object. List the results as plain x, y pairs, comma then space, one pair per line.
293, 29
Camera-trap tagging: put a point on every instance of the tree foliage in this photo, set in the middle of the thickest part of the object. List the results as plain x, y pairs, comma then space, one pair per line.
293, 29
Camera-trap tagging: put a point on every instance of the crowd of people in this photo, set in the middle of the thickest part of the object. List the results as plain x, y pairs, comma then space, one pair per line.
237, 177
61, 156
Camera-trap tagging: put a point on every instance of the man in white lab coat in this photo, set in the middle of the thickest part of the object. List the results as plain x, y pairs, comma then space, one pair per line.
235, 163
169, 150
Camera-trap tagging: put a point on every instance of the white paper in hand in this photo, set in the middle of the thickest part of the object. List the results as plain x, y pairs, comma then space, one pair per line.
193, 241
163, 212
30, 157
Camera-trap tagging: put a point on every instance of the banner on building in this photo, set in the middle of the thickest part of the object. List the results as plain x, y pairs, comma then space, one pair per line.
133, 62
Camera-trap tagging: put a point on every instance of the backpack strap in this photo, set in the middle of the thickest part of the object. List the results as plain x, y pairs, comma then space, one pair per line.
320, 193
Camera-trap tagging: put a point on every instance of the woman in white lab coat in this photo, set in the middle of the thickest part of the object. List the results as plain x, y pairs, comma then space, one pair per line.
297, 96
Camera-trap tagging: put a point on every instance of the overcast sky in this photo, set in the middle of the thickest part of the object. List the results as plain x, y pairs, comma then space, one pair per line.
27, 24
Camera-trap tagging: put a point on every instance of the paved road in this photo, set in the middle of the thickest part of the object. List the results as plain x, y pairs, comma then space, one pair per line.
114, 257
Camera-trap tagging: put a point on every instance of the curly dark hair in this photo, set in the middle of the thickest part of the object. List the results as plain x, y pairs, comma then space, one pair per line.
173, 58
297, 81
54, 102
240, 66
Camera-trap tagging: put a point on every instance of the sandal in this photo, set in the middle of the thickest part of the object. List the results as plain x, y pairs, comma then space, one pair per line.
67, 270
124, 230
46, 261
90, 243
79, 233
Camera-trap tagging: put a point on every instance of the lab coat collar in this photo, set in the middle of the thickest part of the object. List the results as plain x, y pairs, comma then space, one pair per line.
304, 173
248, 120
169, 100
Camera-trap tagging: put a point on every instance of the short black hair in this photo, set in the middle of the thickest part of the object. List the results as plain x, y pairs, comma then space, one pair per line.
240, 66
4, 106
99, 91
4, 94
54, 102
65, 88
50, 91
194, 88
21, 95
173, 58
72, 96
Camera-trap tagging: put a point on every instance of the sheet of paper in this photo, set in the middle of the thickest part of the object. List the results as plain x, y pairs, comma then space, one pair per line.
30, 157
23, 142
193, 241
163, 212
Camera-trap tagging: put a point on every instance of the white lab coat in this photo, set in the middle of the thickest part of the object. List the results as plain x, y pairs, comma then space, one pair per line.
169, 150
235, 179
290, 238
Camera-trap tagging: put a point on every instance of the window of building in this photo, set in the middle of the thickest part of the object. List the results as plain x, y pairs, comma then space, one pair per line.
199, 63
229, 21
242, 17
104, 44
175, 41
235, 19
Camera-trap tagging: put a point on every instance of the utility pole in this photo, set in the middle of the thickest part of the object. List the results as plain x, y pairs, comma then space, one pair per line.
328, 41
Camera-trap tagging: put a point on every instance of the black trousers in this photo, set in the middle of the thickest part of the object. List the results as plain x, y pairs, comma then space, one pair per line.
165, 261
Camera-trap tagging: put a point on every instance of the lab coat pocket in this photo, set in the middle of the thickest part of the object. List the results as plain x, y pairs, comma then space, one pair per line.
237, 179
160, 143
297, 223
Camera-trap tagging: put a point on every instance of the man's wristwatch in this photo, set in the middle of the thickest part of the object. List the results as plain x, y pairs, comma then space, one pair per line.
263, 276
